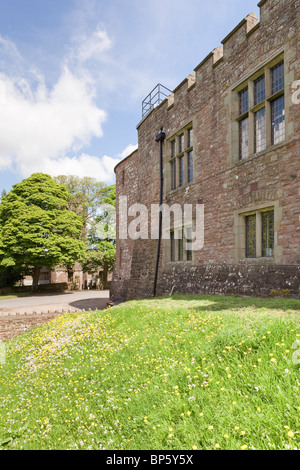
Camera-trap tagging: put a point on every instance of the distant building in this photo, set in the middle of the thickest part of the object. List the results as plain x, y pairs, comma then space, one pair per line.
79, 280
230, 142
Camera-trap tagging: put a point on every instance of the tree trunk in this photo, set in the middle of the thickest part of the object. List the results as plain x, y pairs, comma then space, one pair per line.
70, 273
35, 278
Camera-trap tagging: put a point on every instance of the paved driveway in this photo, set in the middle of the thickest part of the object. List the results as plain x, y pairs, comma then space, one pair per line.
55, 303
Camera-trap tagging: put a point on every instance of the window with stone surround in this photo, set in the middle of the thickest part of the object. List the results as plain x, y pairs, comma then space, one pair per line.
181, 159
257, 228
180, 244
256, 233
260, 234
260, 109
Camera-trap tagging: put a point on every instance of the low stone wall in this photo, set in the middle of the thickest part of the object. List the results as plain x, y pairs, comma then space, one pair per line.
255, 280
57, 287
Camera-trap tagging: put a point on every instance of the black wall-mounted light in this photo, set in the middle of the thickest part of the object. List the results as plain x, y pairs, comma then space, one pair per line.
160, 136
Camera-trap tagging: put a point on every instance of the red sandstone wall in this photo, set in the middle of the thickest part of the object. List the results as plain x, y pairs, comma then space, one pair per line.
221, 185
127, 185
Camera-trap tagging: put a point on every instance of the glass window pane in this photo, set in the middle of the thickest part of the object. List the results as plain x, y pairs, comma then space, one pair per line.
277, 78
181, 143
173, 174
244, 101
173, 147
181, 171
180, 245
278, 120
190, 167
260, 130
189, 253
259, 90
244, 138
251, 236
172, 246
267, 233
190, 138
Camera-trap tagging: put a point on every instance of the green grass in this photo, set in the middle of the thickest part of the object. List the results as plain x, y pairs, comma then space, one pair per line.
175, 373
13, 296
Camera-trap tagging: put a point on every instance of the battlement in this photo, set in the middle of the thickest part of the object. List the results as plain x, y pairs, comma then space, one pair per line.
213, 56
242, 29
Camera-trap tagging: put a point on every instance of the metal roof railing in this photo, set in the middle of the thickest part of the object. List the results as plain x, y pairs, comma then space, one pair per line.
155, 97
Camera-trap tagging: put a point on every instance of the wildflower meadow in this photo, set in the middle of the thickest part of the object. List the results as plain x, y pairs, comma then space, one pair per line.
183, 372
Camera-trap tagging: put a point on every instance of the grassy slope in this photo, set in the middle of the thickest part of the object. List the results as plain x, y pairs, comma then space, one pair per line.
188, 372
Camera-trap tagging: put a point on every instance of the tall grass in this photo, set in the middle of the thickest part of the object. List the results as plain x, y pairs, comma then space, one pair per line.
187, 372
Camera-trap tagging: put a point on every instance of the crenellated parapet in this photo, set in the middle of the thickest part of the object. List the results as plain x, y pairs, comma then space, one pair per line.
211, 59
239, 34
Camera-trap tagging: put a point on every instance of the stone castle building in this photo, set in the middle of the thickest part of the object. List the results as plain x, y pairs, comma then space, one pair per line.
226, 139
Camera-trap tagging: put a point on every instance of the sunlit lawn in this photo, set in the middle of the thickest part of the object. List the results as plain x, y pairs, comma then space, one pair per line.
15, 295
205, 372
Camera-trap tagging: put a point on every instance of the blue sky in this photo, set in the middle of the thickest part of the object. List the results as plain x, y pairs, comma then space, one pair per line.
73, 75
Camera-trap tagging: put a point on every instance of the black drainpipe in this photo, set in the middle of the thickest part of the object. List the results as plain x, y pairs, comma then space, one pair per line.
159, 138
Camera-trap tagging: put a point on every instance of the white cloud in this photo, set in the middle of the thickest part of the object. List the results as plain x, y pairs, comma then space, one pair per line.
91, 46
128, 150
85, 165
46, 128
7, 47
41, 125
5, 162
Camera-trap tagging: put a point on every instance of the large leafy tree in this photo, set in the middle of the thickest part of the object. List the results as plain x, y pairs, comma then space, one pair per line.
37, 229
94, 201
101, 240
9, 275
86, 194
103, 257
